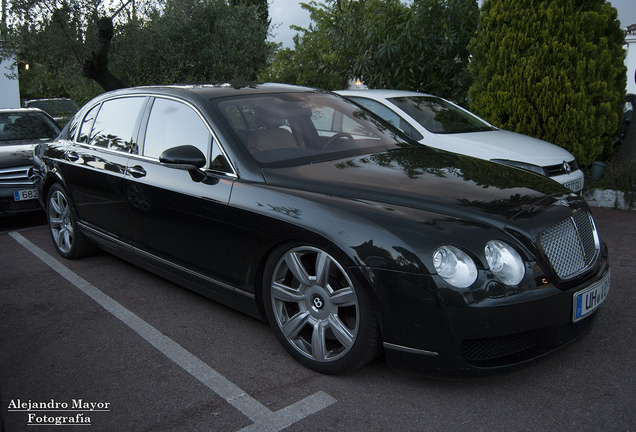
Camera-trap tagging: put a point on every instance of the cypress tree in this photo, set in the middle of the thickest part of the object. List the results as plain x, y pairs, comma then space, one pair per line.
553, 70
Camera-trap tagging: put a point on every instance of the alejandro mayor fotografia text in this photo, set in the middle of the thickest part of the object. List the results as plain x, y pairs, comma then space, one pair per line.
63, 412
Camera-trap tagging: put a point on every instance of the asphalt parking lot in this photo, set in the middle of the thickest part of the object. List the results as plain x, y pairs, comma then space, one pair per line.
116, 348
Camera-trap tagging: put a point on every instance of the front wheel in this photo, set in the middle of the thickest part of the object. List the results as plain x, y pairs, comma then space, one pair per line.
318, 311
67, 238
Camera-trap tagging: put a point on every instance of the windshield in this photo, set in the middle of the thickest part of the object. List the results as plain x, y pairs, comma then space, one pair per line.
439, 116
300, 128
26, 126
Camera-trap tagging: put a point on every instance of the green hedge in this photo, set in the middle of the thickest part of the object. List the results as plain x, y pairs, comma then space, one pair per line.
553, 70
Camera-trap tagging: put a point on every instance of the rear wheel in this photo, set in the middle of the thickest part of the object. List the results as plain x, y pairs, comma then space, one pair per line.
67, 238
319, 312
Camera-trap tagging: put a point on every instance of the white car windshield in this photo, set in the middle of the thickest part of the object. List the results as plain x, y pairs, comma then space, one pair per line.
18, 126
440, 116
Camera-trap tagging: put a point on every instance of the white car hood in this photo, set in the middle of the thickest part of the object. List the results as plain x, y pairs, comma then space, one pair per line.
500, 144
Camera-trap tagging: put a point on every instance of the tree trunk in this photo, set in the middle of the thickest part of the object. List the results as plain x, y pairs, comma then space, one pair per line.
96, 68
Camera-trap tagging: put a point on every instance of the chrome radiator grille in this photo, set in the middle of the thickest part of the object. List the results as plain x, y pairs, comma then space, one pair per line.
571, 245
15, 176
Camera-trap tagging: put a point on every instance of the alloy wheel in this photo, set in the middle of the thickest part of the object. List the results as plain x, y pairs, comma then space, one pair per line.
315, 304
60, 221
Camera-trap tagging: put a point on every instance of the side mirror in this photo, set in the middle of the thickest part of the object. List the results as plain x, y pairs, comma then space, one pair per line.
183, 157
187, 158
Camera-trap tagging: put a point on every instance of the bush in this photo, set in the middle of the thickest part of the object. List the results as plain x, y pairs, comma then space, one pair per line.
553, 70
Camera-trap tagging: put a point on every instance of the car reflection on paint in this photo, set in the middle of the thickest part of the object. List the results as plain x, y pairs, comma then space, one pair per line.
298, 207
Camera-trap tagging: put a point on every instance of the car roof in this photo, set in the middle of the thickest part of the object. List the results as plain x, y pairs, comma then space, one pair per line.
213, 91
46, 99
20, 110
380, 93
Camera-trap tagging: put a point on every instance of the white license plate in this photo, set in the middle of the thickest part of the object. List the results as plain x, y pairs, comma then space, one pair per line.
574, 186
26, 194
587, 300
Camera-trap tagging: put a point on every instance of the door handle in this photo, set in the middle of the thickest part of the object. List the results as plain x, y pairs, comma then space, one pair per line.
136, 171
71, 156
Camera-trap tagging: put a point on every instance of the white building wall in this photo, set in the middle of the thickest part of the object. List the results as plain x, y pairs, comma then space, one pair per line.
630, 62
9, 85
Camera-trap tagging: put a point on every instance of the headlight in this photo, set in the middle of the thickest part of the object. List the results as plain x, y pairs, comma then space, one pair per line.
523, 165
505, 262
454, 266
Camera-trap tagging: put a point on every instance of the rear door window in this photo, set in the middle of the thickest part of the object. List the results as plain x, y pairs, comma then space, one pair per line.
115, 126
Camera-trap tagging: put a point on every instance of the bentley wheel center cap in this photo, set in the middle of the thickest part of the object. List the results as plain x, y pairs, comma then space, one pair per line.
317, 303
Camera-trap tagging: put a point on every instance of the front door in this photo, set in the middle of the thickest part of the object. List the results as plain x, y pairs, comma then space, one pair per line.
174, 218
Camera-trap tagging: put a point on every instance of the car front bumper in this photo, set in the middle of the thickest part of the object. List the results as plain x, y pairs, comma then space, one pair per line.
9, 206
433, 331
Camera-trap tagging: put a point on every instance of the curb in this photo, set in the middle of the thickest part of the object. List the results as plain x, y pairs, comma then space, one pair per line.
607, 198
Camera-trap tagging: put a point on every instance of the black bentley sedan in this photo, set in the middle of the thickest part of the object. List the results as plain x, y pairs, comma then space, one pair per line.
301, 208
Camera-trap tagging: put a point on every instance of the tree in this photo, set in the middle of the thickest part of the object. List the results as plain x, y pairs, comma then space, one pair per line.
445, 30
142, 42
388, 44
47, 39
96, 67
199, 41
551, 69
307, 64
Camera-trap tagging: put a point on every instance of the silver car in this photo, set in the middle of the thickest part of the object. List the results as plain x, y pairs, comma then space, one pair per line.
20, 131
439, 123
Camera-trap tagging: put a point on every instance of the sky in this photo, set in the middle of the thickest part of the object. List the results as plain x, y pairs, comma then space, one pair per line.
287, 12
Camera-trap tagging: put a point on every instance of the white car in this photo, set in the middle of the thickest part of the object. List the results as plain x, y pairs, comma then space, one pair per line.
439, 123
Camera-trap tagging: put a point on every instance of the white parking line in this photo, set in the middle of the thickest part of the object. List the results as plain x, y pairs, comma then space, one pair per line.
264, 419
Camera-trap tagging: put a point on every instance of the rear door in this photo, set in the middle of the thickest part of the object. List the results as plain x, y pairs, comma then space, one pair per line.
97, 162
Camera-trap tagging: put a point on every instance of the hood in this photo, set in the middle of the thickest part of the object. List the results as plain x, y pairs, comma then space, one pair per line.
431, 180
15, 153
501, 144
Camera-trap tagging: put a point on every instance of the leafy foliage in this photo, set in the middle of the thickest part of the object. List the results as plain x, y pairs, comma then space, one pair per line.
388, 44
193, 41
50, 39
155, 42
306, 64
551, 69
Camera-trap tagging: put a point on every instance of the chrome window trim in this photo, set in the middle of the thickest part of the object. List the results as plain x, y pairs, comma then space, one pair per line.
152, 97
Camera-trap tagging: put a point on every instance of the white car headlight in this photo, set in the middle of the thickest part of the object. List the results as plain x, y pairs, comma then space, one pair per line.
454, 266
505, 262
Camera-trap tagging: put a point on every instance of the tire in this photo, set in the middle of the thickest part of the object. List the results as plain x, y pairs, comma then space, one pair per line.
318, 311
69, 241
